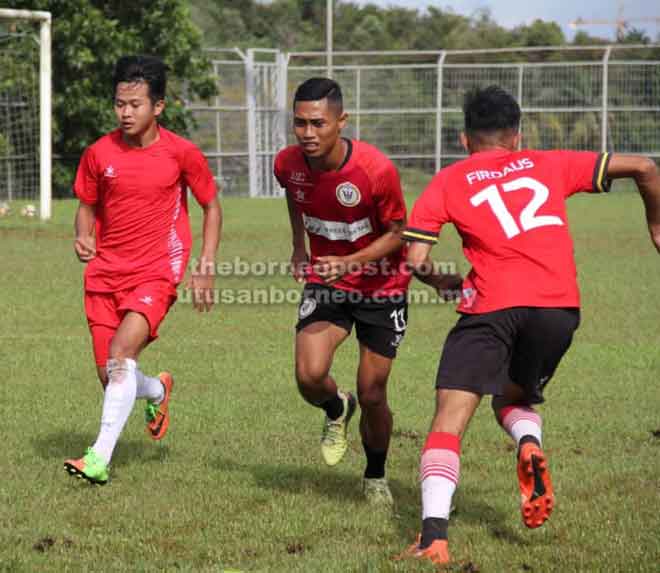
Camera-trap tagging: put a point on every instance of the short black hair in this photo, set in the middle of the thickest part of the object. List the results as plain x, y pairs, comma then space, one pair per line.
315, 89
148, 69
489, 110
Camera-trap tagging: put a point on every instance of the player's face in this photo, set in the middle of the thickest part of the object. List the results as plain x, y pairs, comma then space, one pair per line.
317, 127
135, 111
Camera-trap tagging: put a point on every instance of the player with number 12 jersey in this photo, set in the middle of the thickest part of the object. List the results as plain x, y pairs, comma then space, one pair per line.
520, 301
510, 211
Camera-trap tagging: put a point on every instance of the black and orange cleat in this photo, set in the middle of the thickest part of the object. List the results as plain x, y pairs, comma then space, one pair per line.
537, 498
158, 415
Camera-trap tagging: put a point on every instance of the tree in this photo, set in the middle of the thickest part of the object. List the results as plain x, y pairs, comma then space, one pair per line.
88, 37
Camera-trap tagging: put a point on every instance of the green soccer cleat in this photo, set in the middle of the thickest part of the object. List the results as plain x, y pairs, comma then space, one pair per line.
377, 492
333, 439
90, 467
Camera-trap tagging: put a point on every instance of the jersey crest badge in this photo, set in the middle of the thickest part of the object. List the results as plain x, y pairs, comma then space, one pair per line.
348, 194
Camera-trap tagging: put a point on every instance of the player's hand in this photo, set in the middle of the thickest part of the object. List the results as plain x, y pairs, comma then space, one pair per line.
654, 229
449, 287
201, 286
299, 264
331, 268
85, 248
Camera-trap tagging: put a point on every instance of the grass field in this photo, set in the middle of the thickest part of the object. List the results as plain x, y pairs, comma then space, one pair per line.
238, 483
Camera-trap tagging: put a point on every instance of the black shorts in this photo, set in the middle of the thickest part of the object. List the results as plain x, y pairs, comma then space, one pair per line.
523, 345
380, 322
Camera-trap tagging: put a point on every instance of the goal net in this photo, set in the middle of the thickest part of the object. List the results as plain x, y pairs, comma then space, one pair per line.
25, 108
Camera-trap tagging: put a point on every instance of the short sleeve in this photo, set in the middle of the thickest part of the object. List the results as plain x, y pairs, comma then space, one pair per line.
86, 184
388, 196
278, 170
585, 171
198, 176
429, 214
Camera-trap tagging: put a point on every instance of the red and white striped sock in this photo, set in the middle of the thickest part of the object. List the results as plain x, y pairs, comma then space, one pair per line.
520, 421
439, 471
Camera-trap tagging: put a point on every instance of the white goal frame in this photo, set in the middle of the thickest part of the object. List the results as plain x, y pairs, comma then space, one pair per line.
45, 105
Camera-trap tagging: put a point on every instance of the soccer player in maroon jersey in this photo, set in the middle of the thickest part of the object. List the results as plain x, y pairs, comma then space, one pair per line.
520, 303
132, 231
346, 196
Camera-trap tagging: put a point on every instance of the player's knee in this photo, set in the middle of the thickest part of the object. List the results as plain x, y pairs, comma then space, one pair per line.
119, 350
372, 397
310, 374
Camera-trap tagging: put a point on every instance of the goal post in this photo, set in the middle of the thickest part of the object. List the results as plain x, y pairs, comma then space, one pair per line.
45, 98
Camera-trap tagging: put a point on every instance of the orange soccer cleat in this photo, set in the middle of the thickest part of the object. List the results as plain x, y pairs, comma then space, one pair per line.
157, 415
437, 553
536, 493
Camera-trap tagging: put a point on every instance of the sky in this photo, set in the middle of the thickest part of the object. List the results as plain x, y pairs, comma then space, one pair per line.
510, 13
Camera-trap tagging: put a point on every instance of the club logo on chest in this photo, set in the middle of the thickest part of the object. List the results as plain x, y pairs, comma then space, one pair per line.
348, 194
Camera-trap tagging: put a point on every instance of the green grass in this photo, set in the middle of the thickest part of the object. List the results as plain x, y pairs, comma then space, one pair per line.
238, 483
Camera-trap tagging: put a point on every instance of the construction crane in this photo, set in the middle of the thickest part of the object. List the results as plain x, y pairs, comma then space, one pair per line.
621, 23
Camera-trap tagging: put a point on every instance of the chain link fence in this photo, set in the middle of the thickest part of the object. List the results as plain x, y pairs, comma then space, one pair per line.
409, 104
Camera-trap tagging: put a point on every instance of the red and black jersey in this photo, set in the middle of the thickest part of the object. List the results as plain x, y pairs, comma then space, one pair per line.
346, 210
509, 208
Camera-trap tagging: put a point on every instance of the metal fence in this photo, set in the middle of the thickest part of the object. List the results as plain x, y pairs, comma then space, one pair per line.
409, 103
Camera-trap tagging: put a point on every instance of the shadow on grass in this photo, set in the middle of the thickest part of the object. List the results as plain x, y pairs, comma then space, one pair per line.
62, 445
298, 479
342, 487
469, 509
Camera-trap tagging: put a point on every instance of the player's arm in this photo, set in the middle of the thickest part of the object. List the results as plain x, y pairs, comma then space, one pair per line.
646, 175
197, 176
299, 256
421, 265
426, 220
85, 187
332, 268
203, 279
85, 243
390, 210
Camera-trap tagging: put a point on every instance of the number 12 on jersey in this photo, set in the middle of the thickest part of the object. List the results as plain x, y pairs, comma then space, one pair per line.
528, 217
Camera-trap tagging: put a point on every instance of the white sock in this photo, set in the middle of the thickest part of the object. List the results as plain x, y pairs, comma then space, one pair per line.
439, 473
117, 405
149, 388
521, 421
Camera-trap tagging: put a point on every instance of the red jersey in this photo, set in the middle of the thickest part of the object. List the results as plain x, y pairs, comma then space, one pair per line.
509, 208
346, 210
139, 195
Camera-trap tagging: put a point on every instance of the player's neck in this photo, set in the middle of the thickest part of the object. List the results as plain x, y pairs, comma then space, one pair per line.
150, 136
491, 147
333, 160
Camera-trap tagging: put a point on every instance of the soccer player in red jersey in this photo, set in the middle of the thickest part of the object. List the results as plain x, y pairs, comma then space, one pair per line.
133, 232
346, 196
520, 302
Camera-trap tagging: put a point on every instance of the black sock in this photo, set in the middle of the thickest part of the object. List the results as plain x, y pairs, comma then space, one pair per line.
433, 528
375, 462
334, 407
526, 440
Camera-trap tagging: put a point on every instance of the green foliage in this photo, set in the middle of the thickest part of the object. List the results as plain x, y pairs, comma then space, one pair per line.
5, 148
88, 37
300, 25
